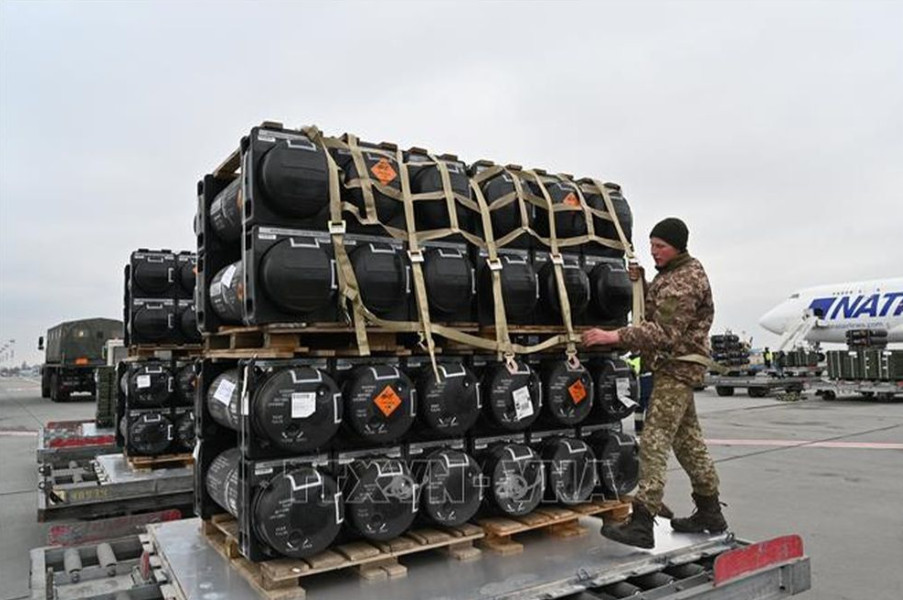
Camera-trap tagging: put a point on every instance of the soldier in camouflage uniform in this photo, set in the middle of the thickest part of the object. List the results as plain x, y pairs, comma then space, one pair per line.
674, 341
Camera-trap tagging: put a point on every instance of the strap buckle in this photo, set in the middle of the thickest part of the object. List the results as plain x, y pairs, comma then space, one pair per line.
557, 259
572, 360
495, 264
337, 227
511, 362
416, 256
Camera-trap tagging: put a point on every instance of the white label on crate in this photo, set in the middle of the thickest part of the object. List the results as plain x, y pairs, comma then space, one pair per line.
227, 276
623, 389
224, 391
144, 381
303, 404
523, 406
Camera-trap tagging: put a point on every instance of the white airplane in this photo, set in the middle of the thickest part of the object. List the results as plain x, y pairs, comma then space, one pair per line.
825, 313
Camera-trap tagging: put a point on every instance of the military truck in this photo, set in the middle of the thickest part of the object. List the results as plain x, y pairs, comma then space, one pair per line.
74, 351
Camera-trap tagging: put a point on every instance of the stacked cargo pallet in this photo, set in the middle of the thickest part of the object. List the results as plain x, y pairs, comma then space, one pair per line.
155, 384
390, 353
729, 351
801, 358
105, 396
867, 358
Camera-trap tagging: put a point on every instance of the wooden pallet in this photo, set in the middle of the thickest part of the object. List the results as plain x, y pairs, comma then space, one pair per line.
285, 341
522, 334
489, 330
142, 351
557, 521
163, 461
281, 578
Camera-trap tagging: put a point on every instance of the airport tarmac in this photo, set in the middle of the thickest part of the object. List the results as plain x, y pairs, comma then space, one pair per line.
830, 471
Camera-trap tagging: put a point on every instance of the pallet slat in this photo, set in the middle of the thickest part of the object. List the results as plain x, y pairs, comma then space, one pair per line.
144, 463
280, 579
557, 521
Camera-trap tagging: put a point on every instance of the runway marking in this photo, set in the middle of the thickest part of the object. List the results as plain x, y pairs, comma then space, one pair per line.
807, 444
18, 433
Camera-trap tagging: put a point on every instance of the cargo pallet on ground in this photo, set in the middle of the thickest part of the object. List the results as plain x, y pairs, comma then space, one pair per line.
107, 486
587, 567
124, 567
830, 389
759, 386
283, 577
62, 441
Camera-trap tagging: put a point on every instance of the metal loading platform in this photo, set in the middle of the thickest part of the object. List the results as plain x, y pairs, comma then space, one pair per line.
582, 568
107, 486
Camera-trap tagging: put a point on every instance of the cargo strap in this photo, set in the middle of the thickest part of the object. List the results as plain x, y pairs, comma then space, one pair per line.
366, 182
557, 266
518, 195
639, 302
494, 264
349, 290
452, 199
705, 361
416, 256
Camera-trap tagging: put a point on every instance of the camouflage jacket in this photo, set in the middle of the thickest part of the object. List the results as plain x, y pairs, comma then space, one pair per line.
679, 313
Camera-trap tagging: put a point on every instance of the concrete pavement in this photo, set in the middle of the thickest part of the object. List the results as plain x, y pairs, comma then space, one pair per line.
846, 499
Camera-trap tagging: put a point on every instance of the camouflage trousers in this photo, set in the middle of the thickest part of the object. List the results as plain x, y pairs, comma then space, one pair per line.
671, 423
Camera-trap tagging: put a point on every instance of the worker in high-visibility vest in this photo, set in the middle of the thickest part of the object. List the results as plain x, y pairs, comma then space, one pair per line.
645, 386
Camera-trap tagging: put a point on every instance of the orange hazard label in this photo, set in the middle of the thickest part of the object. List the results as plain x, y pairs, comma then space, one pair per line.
383, 171
387, 401
571, 200
578, 391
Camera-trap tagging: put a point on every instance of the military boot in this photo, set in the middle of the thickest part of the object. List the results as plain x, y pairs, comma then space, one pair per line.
665, 512
706, 517
637, 531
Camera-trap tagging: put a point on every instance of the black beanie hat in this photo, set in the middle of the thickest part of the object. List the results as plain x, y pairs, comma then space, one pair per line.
672, 230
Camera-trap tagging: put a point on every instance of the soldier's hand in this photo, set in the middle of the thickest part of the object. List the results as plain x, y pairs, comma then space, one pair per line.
636, 272
599, 337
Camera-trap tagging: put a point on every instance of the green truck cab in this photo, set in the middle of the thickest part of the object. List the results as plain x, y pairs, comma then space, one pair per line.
74, 350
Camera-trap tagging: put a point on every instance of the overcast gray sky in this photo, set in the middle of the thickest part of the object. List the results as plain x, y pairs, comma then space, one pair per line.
775, 129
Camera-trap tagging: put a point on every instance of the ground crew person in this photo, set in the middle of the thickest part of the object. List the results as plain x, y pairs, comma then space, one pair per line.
674, 343
644, 380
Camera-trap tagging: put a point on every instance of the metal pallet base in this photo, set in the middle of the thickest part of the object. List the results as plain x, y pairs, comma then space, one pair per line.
107, 486
580, 568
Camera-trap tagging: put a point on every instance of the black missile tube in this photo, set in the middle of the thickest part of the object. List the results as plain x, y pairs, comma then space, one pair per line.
297, 513
381, 497
516, 480
450, 487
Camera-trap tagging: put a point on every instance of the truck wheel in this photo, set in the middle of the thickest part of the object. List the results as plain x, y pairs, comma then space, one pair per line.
56, 394
45, 391
54, 389
723, 390
828, 395
757, 392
